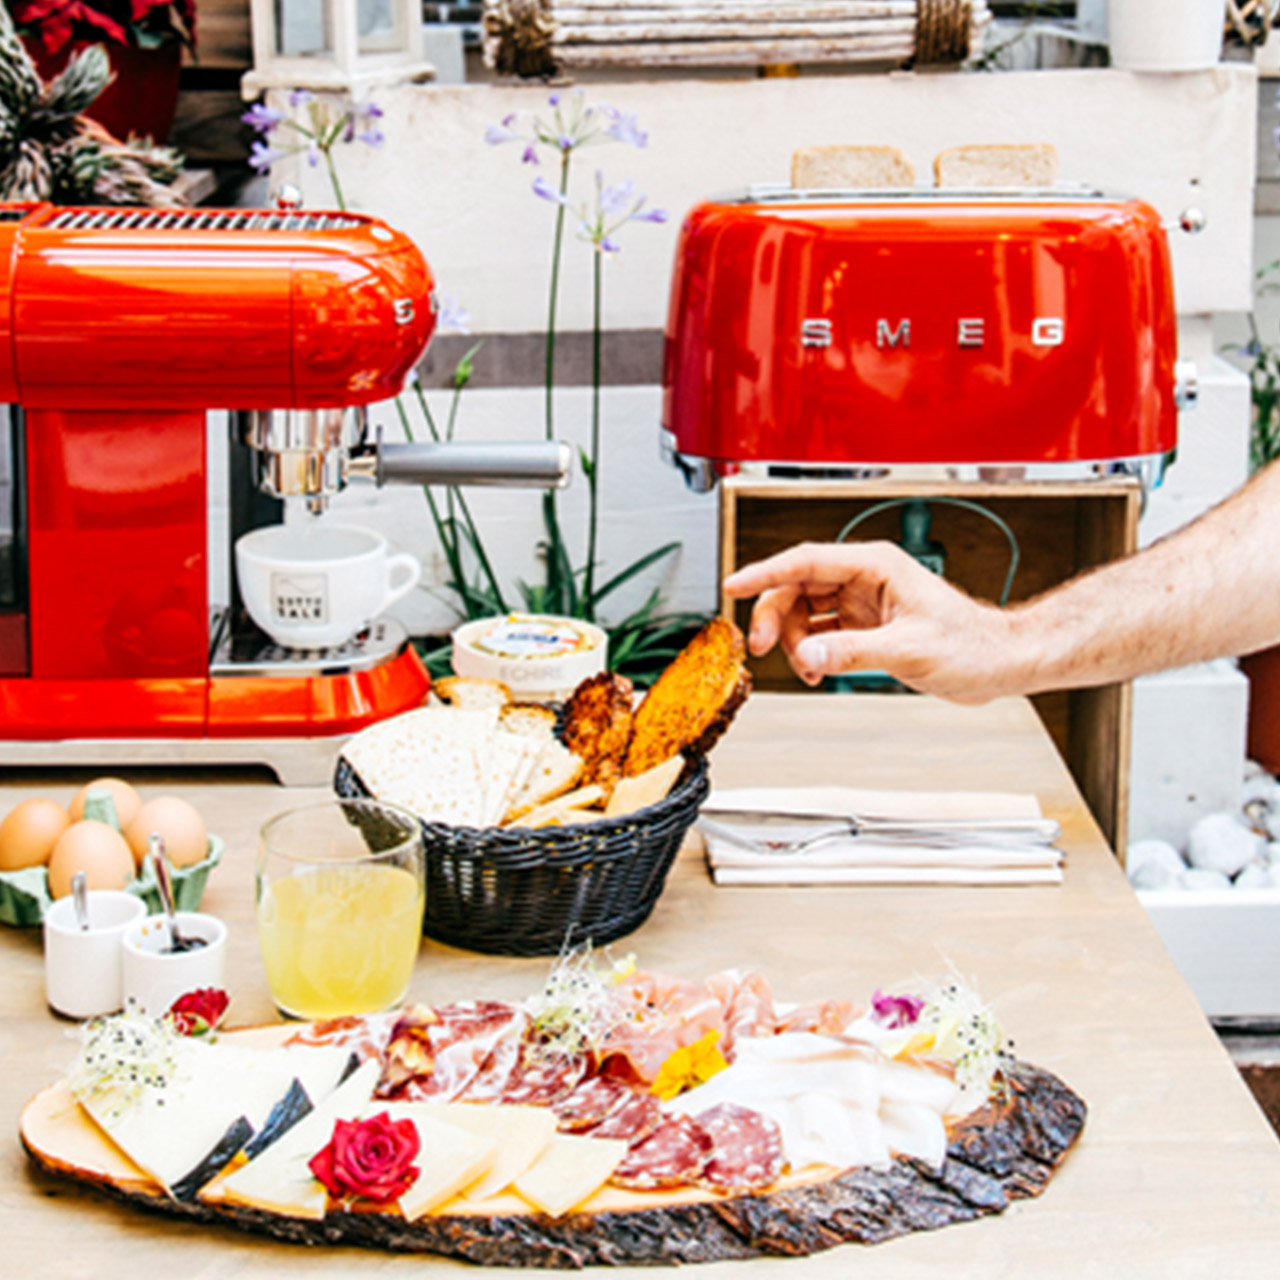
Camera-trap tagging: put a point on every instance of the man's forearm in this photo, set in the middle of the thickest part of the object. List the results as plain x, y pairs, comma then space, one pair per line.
1210, 589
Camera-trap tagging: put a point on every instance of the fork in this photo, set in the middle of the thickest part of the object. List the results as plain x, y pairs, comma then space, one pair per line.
942, 832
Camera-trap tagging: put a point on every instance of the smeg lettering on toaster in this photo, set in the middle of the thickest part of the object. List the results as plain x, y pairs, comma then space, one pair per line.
971, 331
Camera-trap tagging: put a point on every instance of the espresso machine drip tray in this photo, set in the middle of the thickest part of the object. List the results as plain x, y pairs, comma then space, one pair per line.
241, 649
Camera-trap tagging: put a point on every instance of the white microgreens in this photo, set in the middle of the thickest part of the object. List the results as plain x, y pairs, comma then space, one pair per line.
124, 1055
575, 1010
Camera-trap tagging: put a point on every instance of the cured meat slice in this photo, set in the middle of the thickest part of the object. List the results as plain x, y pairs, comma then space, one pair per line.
746, 1149
658, 1014
673, 1155
748, 1006
591, 1102
488, 1084
438, 1053
825, 1017
366, 1037
635, 1120
541, 1079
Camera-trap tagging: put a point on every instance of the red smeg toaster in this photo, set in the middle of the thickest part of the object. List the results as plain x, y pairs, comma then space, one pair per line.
826, 330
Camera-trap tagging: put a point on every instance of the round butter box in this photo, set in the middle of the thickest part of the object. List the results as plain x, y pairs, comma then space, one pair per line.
538, 656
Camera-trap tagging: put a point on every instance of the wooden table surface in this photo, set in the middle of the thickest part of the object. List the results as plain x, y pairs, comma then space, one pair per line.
1177, 1173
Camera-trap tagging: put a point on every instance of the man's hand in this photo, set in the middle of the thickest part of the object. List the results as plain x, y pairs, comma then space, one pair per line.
869, 606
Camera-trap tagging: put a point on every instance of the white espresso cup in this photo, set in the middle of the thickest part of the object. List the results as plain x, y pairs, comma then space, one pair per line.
316, 586
82, 969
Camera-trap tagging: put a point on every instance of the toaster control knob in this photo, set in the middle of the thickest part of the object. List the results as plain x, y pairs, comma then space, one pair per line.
1192, 221
1186, 383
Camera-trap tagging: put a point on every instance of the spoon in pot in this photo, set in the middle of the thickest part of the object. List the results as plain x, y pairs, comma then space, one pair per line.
160, 864
80, 899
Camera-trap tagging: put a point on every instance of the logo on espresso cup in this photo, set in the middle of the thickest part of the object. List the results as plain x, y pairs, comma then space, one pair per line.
300, 597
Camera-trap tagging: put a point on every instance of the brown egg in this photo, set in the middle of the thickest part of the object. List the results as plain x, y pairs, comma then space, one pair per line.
186, 839
29, 832
125, 798
96, 849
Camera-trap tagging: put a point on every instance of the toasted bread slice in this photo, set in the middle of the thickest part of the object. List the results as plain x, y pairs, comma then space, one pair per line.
693, 701
1012, 165
471, 692
529, 719
597, 726
850, 168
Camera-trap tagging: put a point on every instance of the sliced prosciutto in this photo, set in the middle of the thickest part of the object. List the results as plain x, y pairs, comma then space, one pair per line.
746, 1149
440, 1053
673, 1155
656, 1015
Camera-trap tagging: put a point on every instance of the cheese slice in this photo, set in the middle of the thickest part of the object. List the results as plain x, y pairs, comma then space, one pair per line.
448, 1158
214, 1101
279, 1180
521, 1135
568, 1171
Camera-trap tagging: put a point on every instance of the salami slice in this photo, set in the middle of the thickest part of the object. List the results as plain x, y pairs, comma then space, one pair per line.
593, 1101
541, 1079
634, 1121
746, 1149
673, 1155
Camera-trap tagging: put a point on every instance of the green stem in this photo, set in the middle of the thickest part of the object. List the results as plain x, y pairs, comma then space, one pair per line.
593, 480
333, 178
558, 588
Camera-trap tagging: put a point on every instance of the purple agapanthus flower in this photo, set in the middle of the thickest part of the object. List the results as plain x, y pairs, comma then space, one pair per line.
496, 134
894, 1012
546, 191
298, 97
372, 137
263, 118
451, 314
625, 128
262, 157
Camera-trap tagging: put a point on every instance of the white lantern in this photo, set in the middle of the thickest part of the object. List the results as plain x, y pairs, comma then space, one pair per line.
334, 44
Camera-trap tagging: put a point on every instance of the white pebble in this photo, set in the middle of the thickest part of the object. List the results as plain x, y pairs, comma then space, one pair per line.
1153, 864
1198, 878
1271, 853
1261, 787
1221, 842
1255, 876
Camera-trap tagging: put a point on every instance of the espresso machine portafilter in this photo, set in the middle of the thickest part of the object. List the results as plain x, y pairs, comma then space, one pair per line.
121, 330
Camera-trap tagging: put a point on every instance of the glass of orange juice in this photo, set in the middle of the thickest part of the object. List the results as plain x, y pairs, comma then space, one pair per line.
340, 895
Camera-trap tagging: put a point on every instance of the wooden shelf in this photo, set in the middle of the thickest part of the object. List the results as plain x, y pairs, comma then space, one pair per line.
1062, 528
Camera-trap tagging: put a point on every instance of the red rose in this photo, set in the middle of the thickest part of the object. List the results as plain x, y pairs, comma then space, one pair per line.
195, 1012
371, 1158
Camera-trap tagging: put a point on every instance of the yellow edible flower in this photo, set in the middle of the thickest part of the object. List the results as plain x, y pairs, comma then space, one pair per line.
690, 1065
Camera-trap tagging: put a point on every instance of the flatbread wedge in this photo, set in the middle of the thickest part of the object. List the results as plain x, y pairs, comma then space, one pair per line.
693, 701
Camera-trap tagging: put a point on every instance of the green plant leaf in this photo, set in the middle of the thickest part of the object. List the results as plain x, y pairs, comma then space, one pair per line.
636, 566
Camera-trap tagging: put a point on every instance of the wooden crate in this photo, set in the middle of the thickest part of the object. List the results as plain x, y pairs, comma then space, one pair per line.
1061, 527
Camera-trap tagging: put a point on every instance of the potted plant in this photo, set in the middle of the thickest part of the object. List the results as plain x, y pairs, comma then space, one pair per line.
143, 39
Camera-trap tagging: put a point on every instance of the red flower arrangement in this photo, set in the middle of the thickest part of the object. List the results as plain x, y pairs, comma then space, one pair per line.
195, 1012
370, 1158
145, 24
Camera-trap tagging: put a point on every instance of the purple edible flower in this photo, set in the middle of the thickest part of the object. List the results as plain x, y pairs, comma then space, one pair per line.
262, 117
896, 1011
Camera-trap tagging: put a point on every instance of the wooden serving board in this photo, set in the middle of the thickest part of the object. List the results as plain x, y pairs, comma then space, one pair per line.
1003, 1152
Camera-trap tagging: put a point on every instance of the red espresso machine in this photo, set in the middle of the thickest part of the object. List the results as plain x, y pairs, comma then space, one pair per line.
120, 330
836, 333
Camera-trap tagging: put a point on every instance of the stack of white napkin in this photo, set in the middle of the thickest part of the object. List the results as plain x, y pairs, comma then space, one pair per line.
862, 859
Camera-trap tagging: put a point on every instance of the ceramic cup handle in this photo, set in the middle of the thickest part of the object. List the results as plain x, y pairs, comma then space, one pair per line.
411, 567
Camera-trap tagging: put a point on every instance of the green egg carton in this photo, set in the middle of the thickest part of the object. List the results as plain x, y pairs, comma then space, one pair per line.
24, 895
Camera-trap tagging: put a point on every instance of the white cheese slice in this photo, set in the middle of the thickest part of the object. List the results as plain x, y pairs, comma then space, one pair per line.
448, 1158
279, 1180
521, 1134
568, 1171
170, 1130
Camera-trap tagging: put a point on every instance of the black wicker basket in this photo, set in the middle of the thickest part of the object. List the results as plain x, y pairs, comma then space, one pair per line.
515, 892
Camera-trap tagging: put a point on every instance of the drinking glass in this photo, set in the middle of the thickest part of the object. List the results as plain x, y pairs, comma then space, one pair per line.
340, 894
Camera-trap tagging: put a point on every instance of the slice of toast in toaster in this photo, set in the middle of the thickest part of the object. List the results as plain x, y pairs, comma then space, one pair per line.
597, 726
1012, 165
694, 700
850, 168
